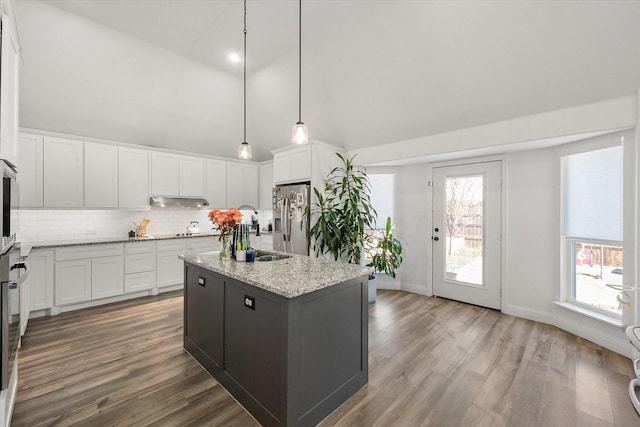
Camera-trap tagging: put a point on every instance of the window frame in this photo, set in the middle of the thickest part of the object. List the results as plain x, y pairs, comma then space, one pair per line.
626, 138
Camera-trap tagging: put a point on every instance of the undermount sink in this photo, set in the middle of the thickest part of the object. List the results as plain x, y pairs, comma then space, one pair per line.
274, 256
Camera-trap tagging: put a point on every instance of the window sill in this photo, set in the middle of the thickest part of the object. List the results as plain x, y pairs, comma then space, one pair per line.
609, 320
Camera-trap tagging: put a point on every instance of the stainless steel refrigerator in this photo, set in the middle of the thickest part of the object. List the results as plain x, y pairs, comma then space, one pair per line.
289, 203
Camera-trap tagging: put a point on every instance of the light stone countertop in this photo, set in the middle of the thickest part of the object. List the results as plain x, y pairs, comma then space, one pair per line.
290, 277
26, 247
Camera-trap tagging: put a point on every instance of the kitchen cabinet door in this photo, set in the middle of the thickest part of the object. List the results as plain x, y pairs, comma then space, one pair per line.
165, 174
40, 280
293, 165
254, 323
170, 268
216, 184
9, 84
63, 173
250, 188
235, 196
203, 314
191, 177
30, 178
265, 183
133, 178
73, 281
242, 184
101, 176
107, 277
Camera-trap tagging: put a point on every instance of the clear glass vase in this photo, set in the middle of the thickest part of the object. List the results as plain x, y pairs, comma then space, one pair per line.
225, 250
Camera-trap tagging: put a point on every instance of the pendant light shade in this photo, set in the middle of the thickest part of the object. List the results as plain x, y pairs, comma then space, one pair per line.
244, 150
299, 133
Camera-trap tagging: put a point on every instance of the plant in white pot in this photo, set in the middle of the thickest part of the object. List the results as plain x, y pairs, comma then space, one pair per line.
386, 257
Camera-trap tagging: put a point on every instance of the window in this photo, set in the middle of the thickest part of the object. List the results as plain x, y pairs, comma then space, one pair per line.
383, 201
593, 221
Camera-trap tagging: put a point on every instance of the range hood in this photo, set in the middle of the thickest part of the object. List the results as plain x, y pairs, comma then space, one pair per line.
172, 202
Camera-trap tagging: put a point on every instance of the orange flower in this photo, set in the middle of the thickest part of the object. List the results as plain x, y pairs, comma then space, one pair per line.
225, 221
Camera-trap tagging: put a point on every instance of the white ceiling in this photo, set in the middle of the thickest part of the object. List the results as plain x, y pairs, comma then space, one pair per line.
374, 72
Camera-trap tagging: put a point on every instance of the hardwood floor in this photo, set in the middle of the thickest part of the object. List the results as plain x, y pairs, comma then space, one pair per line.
432, 362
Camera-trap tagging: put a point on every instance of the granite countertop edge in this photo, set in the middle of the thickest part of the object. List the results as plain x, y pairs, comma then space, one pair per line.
290, 278
108, 240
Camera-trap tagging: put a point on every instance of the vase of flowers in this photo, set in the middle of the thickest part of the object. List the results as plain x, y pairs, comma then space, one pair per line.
225, 222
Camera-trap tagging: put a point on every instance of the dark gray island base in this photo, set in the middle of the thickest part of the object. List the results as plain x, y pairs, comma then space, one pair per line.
291, 354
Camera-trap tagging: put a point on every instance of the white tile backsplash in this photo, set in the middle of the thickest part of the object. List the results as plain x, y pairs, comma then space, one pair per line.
55, 225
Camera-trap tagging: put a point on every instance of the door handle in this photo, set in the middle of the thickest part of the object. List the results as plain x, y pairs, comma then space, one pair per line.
436, 238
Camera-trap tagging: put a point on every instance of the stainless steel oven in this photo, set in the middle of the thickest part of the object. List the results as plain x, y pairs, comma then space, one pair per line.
10, 329
9, 196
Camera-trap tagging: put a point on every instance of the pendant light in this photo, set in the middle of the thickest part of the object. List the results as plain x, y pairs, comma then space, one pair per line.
299, 133
244, 150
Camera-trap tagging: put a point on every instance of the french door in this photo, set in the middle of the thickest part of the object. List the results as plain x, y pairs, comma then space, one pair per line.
466, 234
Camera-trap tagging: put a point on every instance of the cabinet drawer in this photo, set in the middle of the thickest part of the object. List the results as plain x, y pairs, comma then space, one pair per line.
139, 247
139, 281
86, 251
171, 245
202, 244
136, 263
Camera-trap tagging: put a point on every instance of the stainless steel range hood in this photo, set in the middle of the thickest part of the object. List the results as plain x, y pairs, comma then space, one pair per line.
172, 202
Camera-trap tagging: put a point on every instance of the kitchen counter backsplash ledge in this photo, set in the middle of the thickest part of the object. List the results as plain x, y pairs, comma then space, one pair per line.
107, 240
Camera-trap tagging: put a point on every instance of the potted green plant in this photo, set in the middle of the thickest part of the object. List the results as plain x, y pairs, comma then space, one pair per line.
386, 257
342, 213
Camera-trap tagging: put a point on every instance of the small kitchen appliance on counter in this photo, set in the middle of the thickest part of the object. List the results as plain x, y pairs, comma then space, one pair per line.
193, 227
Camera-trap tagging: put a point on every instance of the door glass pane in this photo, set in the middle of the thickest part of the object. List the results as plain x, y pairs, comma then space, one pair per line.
464, 229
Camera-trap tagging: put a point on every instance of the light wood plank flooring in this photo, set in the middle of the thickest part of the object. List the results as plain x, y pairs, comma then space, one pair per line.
433, 362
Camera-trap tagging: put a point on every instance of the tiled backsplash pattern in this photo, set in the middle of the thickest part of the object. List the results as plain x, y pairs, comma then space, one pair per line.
56, 225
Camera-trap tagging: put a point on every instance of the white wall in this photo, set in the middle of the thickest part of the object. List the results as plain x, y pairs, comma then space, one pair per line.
531, 240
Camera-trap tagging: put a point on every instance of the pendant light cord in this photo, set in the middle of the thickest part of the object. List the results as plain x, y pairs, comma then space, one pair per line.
244, 76
300, 61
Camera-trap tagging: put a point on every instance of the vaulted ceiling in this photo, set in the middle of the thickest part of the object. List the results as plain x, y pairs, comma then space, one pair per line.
374, 72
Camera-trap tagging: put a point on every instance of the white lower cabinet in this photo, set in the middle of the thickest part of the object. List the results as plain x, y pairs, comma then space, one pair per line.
73, 281
107, 277
170, 268
84, 274
40, 279
202, 244
139, 266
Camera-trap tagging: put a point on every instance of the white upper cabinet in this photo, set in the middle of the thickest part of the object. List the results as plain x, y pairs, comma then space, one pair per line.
133, 181
235, 197
173, 175
266, 185
250, 190
216, 184
100, 176
30, 159
191, 176
63, 173
165, 174
242, 184
9, 70
292, 165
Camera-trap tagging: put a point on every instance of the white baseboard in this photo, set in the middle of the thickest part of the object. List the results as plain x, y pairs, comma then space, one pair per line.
528, 313
606, 340
415, 289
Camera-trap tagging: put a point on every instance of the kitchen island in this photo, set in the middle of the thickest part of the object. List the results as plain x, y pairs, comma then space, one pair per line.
287, 338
